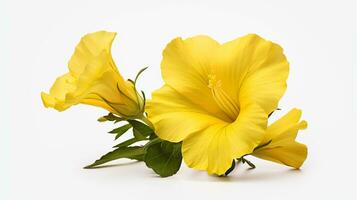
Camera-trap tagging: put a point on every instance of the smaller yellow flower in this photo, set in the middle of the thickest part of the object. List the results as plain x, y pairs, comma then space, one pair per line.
94, 79
279, 143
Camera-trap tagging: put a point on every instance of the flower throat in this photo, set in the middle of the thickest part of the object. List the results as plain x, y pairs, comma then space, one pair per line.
223, 100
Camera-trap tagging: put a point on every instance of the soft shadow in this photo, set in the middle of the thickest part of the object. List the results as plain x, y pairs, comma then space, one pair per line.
246, 175
253, 175
197, 175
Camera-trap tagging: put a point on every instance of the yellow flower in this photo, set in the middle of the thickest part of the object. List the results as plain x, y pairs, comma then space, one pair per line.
217, 97
94, 79
279, 145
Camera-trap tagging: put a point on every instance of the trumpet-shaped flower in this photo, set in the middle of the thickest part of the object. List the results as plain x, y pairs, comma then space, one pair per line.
279, 145
217, 97
94, 79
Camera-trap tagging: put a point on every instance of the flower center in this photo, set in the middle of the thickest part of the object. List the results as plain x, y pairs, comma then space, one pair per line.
223, 100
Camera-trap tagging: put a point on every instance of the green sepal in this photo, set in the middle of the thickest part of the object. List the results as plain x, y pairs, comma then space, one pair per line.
231, 168
138, 74
110, 117
263, 145
135, 152
102, 119
273, 112
140, 129
120, 130
164, 157
244, 160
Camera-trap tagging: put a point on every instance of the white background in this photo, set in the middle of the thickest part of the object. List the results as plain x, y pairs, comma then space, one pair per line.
42, 151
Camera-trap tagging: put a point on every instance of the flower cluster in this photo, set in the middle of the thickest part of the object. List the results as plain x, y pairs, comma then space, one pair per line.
212, 111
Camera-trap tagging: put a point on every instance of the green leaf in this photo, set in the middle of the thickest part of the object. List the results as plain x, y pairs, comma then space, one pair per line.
231, 168
126, 152
152, 142
138, 135
137, 157
140, 129
153, 136
120, 131
128, 142
164, 158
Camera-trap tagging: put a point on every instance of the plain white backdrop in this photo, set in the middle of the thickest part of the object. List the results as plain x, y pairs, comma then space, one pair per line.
42, 151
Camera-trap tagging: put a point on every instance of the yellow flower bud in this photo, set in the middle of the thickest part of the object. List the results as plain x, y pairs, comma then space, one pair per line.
94, 79
279, 142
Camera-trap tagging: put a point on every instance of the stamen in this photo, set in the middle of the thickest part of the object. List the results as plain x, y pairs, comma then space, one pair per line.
223, 100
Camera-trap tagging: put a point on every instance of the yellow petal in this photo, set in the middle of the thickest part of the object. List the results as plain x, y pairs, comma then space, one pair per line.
174, 117
292, 154
208, 150
283, 148
56, 97
89, 47
252, 69
185, 68
286, 127
98, 78
214, 148
248, 130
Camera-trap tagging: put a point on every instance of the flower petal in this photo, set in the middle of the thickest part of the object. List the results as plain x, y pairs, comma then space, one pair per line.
248, 130
90, 47
214, 148
185, 67
174, 117
252, 70
57, 95
292, 154
208, 150
98, 77
284, 128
